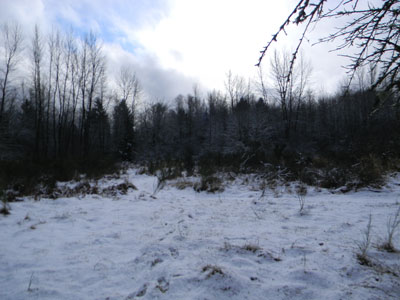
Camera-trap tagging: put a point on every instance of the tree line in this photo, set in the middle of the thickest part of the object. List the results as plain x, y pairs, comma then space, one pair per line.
61, 107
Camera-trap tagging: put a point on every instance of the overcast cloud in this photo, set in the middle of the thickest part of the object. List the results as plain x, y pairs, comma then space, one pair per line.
175, 44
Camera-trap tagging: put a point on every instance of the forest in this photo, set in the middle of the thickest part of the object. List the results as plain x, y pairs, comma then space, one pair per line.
61, 114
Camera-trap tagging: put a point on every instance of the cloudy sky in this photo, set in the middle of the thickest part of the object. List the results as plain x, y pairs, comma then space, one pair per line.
176, 44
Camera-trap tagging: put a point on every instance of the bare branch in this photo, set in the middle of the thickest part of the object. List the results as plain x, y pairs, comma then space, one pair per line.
373, 31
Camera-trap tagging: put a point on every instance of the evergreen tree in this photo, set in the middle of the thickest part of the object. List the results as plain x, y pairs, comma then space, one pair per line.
123, 133
100, 128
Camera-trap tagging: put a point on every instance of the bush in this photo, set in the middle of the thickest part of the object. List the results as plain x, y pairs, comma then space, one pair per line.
27, 177
206, 167
334, 178
210, 184
165, 174
370, 172
310, 176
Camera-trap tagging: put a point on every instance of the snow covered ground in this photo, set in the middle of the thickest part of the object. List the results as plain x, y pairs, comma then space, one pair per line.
179, 244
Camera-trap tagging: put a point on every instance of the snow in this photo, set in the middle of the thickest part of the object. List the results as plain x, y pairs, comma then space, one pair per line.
180, 244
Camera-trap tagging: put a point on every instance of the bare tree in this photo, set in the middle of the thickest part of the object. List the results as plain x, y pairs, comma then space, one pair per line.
12, 44
74, 93
96, 67
129, 86
235, 87
96, 71
290, 92
54, 55
37, 57
51, 47
373, 29
68, 52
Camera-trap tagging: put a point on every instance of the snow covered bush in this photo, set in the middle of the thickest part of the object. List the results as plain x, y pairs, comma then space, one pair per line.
210, 184
334, 178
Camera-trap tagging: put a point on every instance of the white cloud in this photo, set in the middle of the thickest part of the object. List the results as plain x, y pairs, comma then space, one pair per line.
212, 37
177, 43
26, 12
158, 83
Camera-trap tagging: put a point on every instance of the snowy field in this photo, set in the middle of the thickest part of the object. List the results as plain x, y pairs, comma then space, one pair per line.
179, 244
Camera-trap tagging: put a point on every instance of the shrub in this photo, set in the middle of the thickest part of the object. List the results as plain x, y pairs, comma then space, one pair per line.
27, 177
370, 172
206, 168
210, 184
114, 190
334, 178
310, 176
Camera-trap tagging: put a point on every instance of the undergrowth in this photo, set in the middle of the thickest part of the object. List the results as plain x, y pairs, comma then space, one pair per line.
28, 177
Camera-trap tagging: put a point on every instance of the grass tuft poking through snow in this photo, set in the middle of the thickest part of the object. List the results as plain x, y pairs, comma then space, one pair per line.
301, 191
364, 244
393, 224
212, 270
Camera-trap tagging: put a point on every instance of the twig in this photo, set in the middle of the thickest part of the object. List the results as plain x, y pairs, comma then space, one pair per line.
257, 216
30, 283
